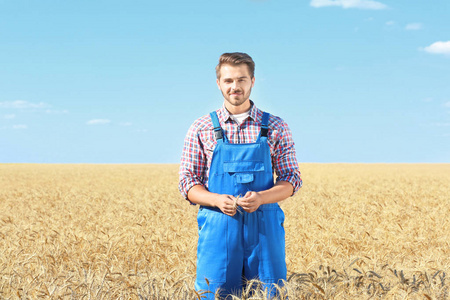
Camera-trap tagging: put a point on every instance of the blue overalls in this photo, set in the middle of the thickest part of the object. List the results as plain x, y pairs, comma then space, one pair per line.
247, 245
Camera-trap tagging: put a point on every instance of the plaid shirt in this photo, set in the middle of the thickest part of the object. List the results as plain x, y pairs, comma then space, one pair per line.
200, 142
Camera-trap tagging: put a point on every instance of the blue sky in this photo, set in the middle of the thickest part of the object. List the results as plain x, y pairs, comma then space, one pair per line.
121, 81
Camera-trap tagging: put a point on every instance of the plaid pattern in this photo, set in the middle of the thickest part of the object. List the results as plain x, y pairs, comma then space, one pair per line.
200, 142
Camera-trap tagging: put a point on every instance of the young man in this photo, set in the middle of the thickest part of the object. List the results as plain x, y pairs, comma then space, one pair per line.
227, 167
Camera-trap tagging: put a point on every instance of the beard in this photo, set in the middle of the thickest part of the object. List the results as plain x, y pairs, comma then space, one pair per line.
237, 100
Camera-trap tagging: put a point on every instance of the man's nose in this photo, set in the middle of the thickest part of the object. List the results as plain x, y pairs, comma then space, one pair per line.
234, 85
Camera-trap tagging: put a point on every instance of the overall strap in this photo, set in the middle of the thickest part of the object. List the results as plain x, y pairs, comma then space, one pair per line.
265, 124
218, 132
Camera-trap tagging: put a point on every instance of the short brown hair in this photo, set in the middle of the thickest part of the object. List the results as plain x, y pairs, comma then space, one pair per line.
236, 58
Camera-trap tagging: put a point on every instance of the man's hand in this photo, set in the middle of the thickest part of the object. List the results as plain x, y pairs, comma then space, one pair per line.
250, 202
227, 204
198, 194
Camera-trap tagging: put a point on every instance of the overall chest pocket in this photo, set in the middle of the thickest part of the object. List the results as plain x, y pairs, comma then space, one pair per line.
243, 171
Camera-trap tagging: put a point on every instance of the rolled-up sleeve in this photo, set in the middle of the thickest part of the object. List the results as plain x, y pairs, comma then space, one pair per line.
284, 159
193, 162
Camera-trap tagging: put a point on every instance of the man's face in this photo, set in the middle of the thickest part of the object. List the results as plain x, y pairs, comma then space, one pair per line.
236, 85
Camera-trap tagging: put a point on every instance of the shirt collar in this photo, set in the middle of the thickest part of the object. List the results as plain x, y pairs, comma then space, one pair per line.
225, 114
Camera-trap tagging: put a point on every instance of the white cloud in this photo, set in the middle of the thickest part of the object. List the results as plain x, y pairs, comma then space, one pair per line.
447, 104
26, 105
22, 104
20, 126
9, 117
428, 99
439, 48
125, 124
56, 112
15, 127
362, 4
413, 26
390, 23
98, 122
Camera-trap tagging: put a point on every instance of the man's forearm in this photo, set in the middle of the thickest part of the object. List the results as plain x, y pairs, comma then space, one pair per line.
279, 192
253, 200
198, 194
282, 190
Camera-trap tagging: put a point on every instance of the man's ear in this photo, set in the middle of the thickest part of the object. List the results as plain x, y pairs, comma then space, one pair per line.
253, 81
218, 83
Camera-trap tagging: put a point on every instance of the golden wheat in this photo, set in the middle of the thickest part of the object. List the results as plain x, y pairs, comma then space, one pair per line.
354, 231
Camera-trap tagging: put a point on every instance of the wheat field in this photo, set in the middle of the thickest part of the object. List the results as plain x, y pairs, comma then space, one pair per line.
354, 231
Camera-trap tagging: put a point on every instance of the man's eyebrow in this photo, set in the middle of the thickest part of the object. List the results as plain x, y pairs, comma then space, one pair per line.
242, 77
230, 78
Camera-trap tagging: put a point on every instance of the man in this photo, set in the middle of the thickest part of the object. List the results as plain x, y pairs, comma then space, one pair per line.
227, 168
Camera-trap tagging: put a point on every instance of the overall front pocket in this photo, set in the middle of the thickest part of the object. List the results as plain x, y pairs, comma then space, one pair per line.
212, 246
243, 173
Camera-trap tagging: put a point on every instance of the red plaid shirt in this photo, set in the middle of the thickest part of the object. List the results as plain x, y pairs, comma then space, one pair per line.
200, 142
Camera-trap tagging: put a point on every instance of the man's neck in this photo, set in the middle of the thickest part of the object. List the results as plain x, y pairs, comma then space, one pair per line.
235, 110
